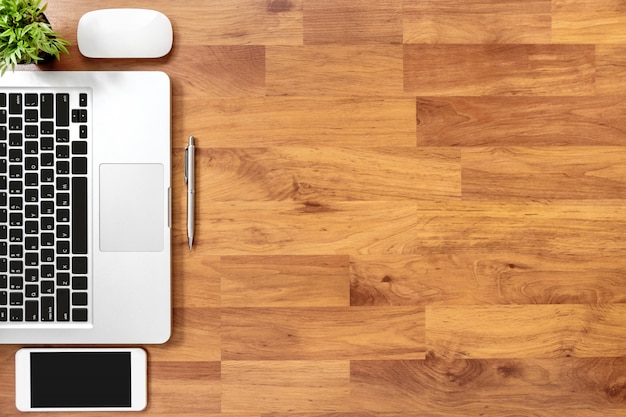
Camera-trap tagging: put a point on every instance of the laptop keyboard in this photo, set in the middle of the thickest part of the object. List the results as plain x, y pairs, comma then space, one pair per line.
44, 138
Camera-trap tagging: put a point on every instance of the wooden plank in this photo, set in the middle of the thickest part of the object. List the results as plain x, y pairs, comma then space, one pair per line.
486, 278
334, 70
577, 173
297, 121
510, 70
221, 71
496, 387
352, 22
285, 281
526, 331
521, 121
201, 286
540, 228
195, 336
329, 174
304, 228
287, 386
578, 21
478, 21
322, 333
184, 387
611, 69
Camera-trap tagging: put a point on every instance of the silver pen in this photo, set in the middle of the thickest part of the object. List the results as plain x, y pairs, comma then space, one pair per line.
190, 152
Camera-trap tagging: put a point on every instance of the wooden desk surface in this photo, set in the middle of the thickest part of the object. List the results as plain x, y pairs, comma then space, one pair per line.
405, 208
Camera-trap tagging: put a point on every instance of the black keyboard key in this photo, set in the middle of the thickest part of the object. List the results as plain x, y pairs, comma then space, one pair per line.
47, 308
47, 175
63, 183
4, 314
16, 314
31, 227
79, 299
31, 211
63, 151
63, 263
4, 298
82, 100
79, 116
31, 179
79, 265
31, 116
63, 231
79, 165
47, 106
63, 247
16, 267
16, 140
62, 109
46, 128
16, 235
63, 215
15, 155
15, 103
31, 131
63, 135
63, 279
31, 259
46, 143
47, 159
16, 283
3, 99
79, 215
31, 275
32, 291
79, 283
63, 304
31, 147
47, 191
47, 271
63, 167
47, 287
79, 148
31, 100
79, 314
15, 123
16, 298
32, 310
63, 200
31, 243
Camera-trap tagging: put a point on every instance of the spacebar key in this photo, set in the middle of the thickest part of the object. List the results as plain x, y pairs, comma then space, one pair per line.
79, 215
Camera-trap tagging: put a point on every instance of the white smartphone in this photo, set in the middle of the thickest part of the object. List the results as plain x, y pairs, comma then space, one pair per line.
81, 379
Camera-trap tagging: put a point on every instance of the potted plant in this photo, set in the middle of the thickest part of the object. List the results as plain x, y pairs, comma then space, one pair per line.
26, 35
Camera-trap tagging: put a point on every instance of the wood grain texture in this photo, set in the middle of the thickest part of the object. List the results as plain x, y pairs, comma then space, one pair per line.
477, 22
521, 121
404, 208
496, 69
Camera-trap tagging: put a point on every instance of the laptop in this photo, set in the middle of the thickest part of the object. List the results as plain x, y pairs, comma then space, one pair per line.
85, 207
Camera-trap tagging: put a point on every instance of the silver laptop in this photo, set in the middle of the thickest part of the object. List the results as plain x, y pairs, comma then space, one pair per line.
85, 207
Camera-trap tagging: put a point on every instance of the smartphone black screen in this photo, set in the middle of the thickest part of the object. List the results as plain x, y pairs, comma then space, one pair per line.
80, 379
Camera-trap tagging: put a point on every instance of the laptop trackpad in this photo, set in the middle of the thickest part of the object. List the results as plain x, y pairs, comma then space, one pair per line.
131, 207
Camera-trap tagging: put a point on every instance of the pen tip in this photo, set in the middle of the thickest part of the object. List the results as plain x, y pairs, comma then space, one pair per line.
190, 242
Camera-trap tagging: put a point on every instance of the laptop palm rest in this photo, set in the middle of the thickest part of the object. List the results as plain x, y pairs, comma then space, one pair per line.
132, 207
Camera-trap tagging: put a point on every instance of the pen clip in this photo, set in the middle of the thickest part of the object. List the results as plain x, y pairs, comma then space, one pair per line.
186, 163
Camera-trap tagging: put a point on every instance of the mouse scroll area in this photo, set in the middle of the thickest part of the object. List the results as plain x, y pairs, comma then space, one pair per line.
132, 214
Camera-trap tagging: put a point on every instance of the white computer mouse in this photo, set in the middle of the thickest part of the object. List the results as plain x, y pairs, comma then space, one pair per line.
124, 33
